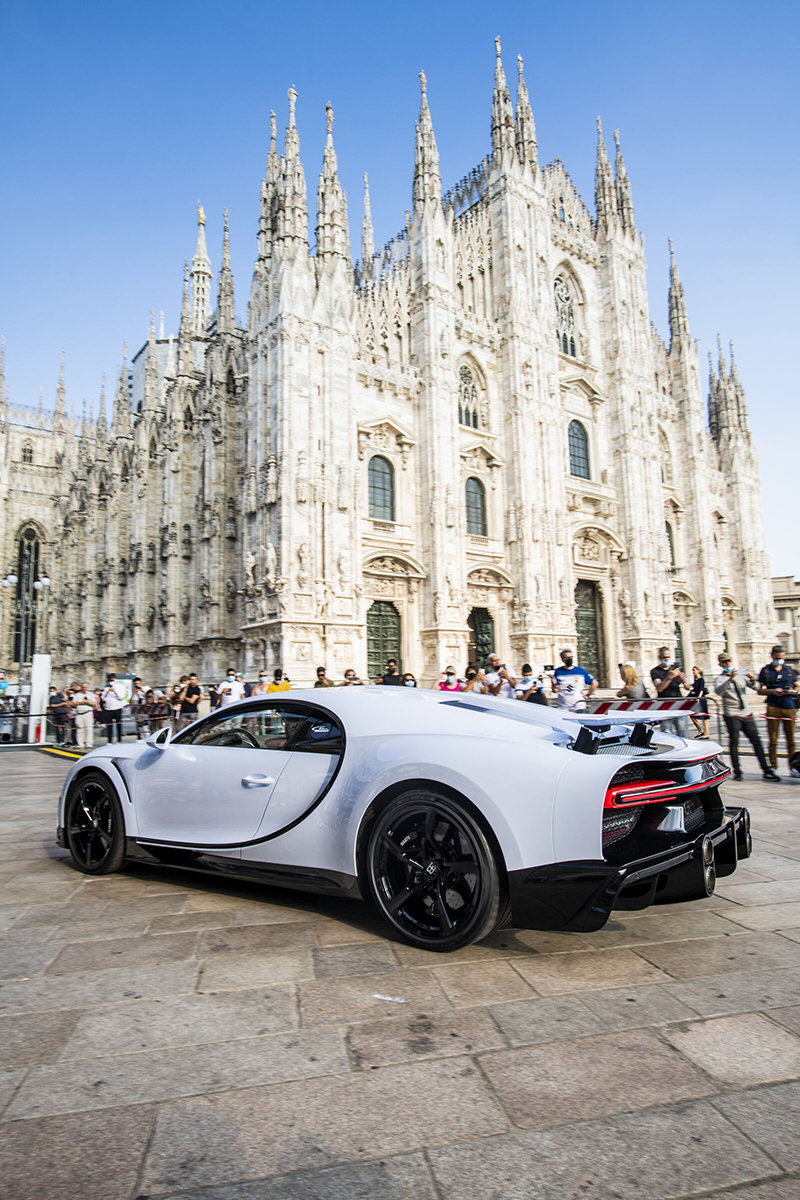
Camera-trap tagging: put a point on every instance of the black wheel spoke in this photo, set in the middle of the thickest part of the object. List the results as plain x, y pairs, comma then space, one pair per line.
441, 908
403, 897
399, 852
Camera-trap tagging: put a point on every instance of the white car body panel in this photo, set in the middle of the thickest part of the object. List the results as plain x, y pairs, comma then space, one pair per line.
543, 802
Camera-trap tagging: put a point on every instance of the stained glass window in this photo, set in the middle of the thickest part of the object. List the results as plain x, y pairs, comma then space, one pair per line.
467, 398
565, 317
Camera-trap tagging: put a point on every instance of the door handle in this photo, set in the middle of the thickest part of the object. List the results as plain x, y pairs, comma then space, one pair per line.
257, 780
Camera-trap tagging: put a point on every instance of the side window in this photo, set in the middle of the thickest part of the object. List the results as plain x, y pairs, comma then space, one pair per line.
265, 729
319, 735
278, 728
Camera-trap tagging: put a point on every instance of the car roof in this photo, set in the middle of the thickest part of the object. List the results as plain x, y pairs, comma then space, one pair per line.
379, 709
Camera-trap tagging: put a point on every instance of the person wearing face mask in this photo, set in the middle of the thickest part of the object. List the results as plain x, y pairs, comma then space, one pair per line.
528, 688
322, 679
449, 681
570, 682
667, 678
738, 715
230, 690
279, 684
474, 680
778, 682
409, 680
260, 688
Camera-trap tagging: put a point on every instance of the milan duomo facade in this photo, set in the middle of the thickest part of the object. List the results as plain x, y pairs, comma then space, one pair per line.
473, 439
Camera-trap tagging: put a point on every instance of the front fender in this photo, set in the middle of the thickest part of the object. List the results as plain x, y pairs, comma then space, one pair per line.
107, 767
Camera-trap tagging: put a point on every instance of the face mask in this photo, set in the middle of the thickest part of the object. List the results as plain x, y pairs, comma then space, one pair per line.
778, 662
449, 676
262, 678
410, 682
231, 678
471, 674
567, 662
527, 678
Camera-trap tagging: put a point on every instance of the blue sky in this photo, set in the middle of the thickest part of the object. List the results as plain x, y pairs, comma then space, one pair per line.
117, 119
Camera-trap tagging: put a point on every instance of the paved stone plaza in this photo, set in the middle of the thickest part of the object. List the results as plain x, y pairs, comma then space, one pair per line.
166, 1034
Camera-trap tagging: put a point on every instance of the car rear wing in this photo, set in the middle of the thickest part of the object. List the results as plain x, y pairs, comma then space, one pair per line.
641, 723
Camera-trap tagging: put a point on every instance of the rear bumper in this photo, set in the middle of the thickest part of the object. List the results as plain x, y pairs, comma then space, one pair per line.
580, 896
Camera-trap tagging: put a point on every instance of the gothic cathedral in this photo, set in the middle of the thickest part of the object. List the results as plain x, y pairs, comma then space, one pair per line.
470, 440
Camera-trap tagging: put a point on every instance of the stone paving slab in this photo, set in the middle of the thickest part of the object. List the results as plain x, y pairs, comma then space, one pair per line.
236, 1042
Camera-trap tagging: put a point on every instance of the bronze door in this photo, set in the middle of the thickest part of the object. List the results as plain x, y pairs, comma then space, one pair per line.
383, 637
588, 622
481, 636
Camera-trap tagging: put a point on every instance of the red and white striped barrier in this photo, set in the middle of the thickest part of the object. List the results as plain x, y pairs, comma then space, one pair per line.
679, 707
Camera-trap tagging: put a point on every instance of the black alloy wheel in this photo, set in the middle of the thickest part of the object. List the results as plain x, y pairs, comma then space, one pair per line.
94, 825
432, 872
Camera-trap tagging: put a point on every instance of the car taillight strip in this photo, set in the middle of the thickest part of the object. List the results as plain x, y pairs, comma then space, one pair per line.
656, 791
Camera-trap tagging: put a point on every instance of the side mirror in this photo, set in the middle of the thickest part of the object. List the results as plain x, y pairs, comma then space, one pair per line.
160, 738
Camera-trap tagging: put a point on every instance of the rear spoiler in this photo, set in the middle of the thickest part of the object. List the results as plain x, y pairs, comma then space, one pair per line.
593, 727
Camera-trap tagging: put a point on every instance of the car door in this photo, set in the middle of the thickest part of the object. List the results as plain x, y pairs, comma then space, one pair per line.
211, 785
313, 755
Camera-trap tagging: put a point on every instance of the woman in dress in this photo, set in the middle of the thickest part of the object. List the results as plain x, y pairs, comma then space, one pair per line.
700, 691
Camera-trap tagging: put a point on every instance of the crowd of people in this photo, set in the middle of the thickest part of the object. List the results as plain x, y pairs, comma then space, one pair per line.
76, 711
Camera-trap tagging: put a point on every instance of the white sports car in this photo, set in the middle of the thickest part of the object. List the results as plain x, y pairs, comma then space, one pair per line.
453, 813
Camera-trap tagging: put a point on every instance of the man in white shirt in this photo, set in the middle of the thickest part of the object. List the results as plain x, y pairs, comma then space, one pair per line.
113, 698
499, 680
230, 690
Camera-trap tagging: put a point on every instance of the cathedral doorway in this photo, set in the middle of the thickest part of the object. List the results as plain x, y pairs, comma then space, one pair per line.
481, 636
383, 637
589, 626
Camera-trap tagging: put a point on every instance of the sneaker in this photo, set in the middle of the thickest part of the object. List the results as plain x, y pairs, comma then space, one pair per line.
772, 776
737, 775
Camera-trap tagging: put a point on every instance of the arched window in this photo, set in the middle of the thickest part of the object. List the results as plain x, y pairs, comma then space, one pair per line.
381, 489
467, 398
475, 494
153, 450
25, 610
188, 421
565, 317
578, 451
671, 540
27, 454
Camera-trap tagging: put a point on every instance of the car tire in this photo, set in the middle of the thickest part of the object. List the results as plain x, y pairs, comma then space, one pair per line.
432, 872
94, 827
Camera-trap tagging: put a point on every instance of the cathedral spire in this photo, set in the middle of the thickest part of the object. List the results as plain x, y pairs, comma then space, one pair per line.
121, 418
185, 355
61, 407
292, 188
678, 317
604, 199
226, 316
525, 126
623, 189
332, 234
102, 423
273, 159
151, 368
427, 179
503, 134
367, 235
722, 365
201, 278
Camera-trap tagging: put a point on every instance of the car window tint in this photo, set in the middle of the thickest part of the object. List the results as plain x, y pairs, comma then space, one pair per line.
319, 735
265, 729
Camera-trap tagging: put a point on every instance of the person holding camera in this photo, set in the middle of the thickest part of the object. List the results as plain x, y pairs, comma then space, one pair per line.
667, 679
499, 680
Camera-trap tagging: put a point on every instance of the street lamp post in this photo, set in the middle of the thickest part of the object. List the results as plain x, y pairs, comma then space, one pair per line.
23, 603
